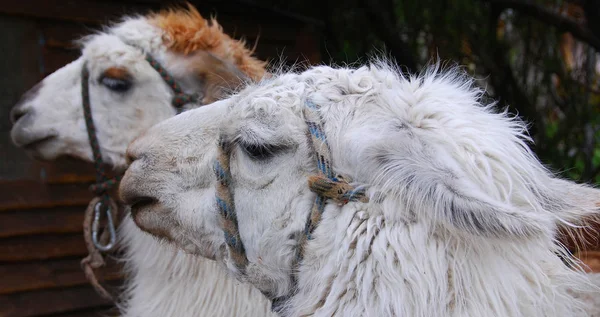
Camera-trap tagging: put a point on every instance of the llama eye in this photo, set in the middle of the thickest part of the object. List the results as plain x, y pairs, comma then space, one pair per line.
115, 84
260, 151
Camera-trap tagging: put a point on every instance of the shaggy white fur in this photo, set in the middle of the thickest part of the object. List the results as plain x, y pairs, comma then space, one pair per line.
592, 299
462, 216
161, 281
165, 281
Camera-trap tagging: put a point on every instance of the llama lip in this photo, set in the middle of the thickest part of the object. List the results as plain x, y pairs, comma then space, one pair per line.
33, 144
27, 139
138, 203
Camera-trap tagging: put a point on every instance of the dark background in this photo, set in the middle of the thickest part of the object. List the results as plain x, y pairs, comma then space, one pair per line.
537, 57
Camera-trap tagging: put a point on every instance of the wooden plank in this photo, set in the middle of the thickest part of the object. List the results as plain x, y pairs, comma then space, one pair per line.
102, 311
55, 57
56, 220
88, 11
51, 301
20, 63
21, 277
65, 171
64, 32
41, 221
42, 247
235, 20
100, 11
31, 194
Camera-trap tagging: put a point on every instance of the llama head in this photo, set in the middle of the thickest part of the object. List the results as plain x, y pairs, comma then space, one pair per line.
127, 94
424, 147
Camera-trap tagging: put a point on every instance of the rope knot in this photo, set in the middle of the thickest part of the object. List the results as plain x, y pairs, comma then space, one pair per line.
181, 99
337, 189
102, 187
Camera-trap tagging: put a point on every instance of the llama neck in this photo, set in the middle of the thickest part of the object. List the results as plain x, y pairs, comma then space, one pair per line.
339, 271
361, 263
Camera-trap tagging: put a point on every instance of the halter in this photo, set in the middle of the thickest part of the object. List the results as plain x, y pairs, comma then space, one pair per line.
325, 184
102, 201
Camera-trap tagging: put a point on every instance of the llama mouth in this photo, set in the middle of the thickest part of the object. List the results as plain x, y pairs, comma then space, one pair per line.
149, 216
31, 138
38, 149
31, 146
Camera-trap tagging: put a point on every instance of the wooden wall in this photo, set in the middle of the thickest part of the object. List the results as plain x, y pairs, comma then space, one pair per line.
42, 204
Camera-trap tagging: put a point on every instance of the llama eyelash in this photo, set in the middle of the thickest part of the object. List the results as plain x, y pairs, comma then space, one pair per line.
116, 84
261, 151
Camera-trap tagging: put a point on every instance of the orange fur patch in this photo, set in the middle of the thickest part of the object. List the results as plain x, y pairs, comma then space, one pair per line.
117, 73
187, 31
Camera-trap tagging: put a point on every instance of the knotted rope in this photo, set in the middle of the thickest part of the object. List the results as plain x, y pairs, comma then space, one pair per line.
325, 184
102, 202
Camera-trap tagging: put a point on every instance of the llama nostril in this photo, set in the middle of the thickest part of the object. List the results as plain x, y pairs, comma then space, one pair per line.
130, 157
16, 113
19, 111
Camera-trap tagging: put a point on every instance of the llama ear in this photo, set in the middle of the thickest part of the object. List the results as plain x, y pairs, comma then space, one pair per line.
429, 182
219, 78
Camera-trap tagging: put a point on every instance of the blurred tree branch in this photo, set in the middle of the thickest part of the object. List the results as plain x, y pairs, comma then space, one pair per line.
494, 58
550, 17
506, 87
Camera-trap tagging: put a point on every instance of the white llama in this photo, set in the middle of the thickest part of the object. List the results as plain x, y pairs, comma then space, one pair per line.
461, 216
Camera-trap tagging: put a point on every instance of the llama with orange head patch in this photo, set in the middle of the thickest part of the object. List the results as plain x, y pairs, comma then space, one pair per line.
129, 92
